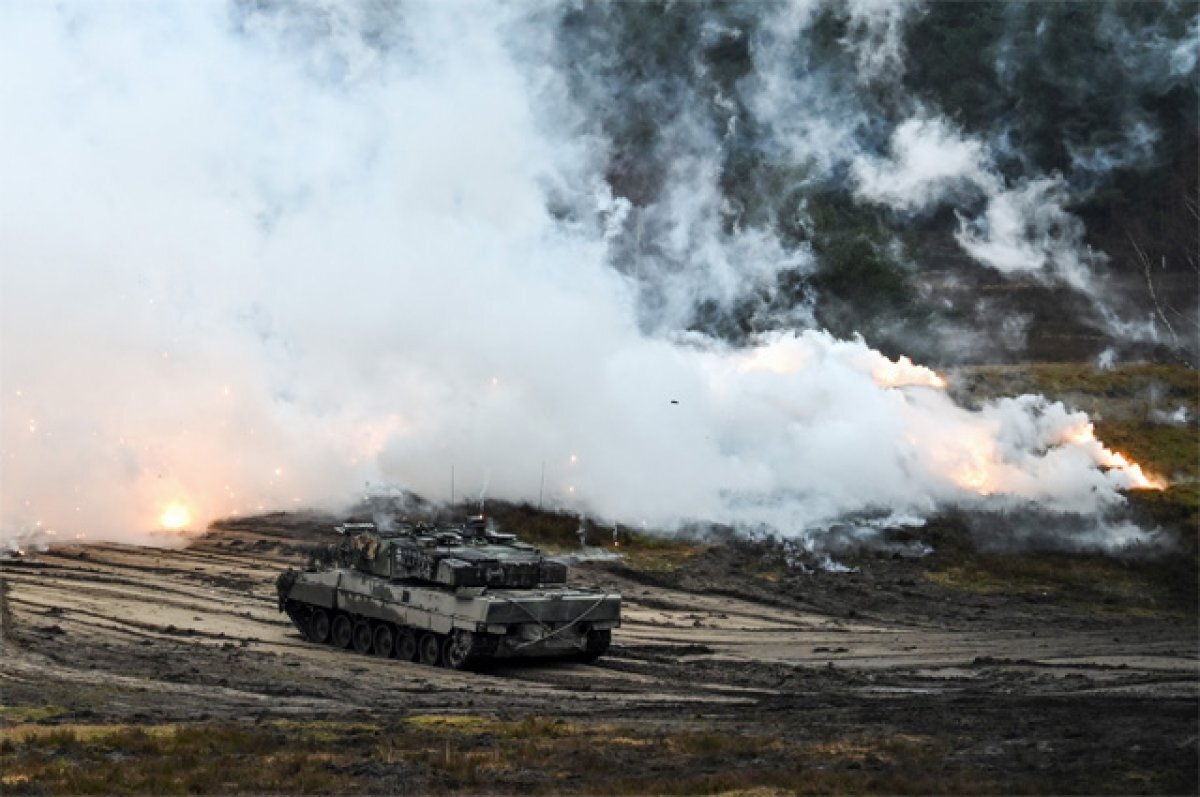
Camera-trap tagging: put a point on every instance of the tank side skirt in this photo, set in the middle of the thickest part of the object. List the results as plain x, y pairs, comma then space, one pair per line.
394, 611
602, 613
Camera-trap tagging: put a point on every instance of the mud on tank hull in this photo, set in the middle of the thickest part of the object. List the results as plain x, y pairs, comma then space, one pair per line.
442, 626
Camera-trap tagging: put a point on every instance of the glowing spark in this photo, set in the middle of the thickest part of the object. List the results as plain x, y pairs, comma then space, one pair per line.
574, 459
175, 516
495, 381
279, 471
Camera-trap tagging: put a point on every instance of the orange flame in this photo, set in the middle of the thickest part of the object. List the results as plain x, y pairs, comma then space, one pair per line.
1085, 435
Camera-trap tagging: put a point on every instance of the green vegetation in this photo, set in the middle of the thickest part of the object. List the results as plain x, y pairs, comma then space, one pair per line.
1127, 391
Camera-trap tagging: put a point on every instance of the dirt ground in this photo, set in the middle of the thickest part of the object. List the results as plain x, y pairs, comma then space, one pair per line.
1011, 694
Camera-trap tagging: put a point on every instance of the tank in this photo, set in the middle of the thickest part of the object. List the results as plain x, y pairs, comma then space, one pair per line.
449, 595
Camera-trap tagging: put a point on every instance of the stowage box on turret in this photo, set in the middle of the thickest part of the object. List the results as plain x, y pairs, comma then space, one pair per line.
448, 595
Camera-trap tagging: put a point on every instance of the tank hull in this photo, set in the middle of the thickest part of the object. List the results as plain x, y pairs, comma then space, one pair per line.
467, 625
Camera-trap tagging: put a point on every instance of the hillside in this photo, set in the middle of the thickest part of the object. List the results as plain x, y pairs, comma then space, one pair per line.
854, 344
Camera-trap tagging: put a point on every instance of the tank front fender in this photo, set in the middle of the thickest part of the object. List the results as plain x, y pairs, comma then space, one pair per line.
316, 589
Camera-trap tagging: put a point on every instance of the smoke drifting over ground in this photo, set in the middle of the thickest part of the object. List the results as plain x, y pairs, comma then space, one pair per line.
256, 258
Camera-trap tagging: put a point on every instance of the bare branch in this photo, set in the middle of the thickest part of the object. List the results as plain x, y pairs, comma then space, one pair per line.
1145, 263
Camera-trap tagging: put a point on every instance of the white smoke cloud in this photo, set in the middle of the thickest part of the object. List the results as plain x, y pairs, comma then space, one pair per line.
876, 36
1151, 54
1185, 52
808, 119
1024, 228
692, 257
255, 260
929, 160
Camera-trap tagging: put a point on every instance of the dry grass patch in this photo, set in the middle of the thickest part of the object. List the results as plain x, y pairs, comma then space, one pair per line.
210, 759
1095, 582
434, 754
648, 553
23, 714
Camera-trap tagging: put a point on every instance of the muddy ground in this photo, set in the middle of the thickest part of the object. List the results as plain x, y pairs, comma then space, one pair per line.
1002, 693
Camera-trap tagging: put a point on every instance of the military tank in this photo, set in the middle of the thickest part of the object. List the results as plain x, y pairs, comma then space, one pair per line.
450, 595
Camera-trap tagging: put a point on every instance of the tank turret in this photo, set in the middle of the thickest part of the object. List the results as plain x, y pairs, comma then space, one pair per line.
466, 555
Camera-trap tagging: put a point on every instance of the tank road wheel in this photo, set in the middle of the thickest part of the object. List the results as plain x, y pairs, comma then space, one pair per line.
430, 648
597, 645
406, 645
318, 626
456, 650
343, 631
362, 636
384, 641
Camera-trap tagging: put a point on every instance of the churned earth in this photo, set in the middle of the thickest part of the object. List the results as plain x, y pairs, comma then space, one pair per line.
730, 674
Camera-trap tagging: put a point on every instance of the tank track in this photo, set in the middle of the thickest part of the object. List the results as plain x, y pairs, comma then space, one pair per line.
457, 650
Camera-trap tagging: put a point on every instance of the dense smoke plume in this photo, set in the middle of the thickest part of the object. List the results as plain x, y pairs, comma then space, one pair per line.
258, 257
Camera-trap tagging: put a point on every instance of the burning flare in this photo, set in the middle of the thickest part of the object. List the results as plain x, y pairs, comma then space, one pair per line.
1085, 435
175, 516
